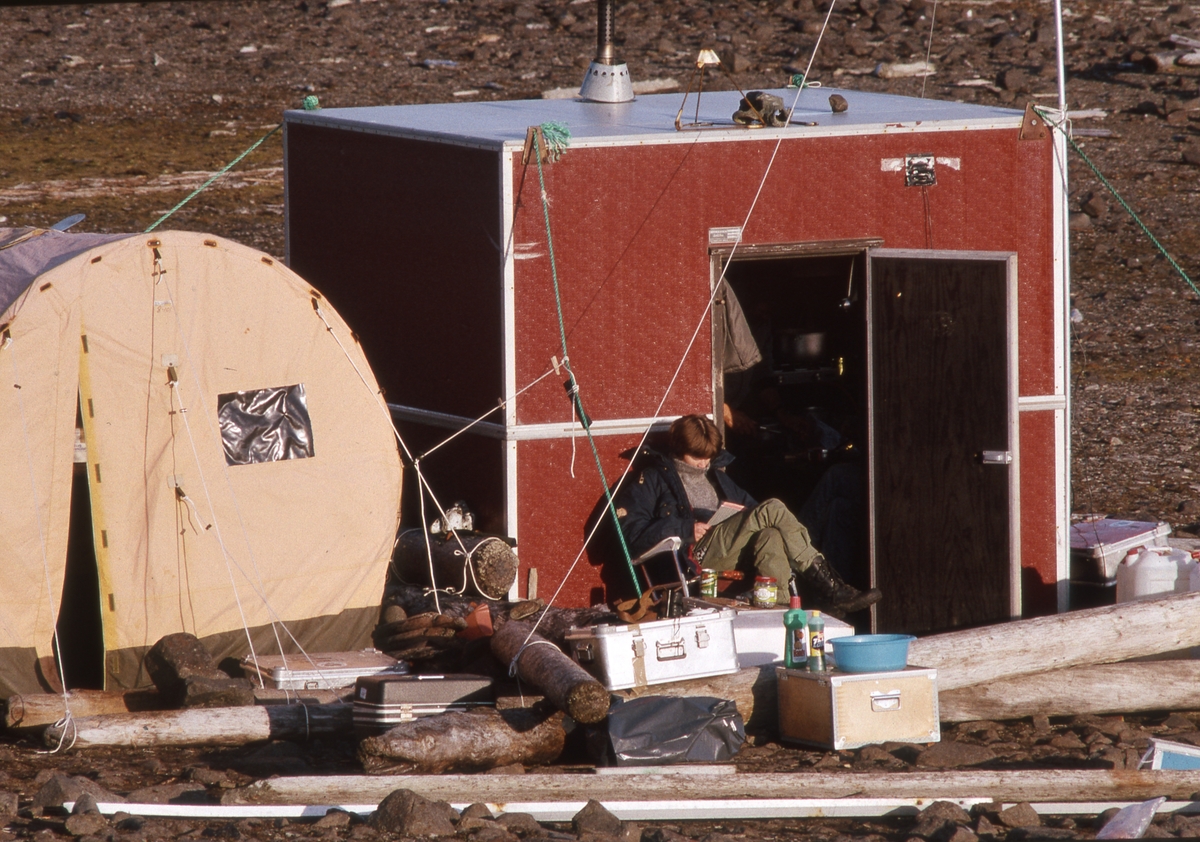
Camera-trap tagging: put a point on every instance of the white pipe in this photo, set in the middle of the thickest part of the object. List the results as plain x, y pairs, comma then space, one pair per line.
714, 809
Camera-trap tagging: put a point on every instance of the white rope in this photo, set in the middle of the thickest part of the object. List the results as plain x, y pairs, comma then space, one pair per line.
56, 644
928, 49
512, 665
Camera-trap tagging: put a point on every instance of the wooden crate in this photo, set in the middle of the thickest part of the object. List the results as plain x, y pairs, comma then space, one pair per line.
841, 710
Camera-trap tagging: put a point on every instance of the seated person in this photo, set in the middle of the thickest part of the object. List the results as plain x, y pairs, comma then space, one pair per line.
676, 495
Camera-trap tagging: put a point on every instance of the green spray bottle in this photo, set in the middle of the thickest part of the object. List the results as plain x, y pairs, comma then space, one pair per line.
795, 622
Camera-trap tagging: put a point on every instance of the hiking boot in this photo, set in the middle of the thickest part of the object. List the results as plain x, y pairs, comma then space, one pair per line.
832, 594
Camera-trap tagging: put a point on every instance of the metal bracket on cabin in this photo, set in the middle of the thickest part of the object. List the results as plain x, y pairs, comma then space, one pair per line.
996, 457
535, 139
1033, 125
919, 170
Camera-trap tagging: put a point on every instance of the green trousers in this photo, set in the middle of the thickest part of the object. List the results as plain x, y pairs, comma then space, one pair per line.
774, 539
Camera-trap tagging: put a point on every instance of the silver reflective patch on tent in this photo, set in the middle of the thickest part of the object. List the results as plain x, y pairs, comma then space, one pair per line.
265, 425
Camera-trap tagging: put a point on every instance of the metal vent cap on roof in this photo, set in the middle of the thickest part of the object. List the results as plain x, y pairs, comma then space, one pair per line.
606, 79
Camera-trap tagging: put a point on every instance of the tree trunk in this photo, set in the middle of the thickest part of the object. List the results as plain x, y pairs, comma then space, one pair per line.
492, 562
466, 741
564, 683
203, 726
1110, 688
1078, 638
31, 711
1031, 785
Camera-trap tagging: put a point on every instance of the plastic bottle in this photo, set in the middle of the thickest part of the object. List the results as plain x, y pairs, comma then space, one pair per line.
1153, 571
795, 621
816, 642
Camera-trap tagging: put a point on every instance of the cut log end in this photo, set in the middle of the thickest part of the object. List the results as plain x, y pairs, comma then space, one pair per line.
588, 703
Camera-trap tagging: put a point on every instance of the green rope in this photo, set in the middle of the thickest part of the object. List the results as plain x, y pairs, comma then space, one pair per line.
310, 104
1124, 204
797, 81
557, 137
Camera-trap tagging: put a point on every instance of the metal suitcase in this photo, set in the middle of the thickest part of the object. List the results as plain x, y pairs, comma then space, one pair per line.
636, 655
842, 710
381, 701
317, 671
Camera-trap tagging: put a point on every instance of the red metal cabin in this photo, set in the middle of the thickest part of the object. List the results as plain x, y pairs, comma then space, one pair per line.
922, 241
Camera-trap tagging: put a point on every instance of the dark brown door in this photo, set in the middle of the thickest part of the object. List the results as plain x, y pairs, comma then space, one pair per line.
943, 509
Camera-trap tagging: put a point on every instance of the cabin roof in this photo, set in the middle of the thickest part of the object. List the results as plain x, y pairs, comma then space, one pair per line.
651, 118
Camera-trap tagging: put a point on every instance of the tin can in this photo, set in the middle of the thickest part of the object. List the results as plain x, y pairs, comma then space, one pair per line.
708, 583
766, 591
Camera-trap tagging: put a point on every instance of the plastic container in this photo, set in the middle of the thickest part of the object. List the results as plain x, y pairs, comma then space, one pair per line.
816, 642
871, 652
1148, 572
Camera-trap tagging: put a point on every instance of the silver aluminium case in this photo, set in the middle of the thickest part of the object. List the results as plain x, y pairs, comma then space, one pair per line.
636, 655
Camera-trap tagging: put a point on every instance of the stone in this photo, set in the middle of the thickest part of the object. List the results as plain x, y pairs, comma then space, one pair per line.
1019, 815
1177, 721
959, 834
1079, 221
478, 810
61, 788
84, 804
1095, 207
838, 104
1013, 79
86, 824
408, 814
175, 659
938, 820
168, 793
984, 827
334, 818
1021, 834
1191, 155
595, 818
952, 754
492, 832
519, 823
8, 805
205, 692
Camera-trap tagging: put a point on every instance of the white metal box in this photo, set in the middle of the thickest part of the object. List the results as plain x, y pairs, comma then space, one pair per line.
1099, 544
841, 710
760, 638
319, 670
635, 655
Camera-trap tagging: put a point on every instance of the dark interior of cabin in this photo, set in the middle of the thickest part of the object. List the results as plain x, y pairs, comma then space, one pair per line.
796, 421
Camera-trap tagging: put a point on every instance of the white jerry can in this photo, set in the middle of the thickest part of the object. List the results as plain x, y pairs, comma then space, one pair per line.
1147, 572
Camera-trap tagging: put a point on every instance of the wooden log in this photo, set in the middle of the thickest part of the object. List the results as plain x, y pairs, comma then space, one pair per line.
203, 726
1077, 638
492, 562
563, 682
467, 741
1009, 785
33, 711
755, 690
1108, 688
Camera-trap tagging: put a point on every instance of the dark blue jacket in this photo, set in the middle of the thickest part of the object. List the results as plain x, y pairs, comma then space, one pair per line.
653, 505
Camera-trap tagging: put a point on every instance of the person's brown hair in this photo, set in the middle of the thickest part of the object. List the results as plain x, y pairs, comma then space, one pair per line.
694, 435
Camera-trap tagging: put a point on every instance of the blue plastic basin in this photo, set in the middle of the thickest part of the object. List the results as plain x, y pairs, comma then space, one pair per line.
871, 652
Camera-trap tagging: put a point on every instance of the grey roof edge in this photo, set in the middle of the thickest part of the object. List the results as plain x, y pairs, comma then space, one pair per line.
475, 130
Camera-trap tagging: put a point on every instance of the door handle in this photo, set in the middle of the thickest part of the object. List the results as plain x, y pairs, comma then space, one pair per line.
996, 457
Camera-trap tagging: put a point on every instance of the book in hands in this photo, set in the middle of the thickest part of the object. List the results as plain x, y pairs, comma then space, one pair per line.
726, 511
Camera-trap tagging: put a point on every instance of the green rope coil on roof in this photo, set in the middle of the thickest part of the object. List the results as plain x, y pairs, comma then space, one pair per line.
311, 103
558, 138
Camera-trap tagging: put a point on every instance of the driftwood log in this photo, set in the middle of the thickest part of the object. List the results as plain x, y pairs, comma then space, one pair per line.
233, 726
467, 741
488, 566
1032, 785
1108, 688
33, 711
542, 664
1077, 638
405, 600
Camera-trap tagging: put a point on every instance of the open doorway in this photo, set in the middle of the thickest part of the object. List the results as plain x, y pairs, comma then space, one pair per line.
80, 635
796, 420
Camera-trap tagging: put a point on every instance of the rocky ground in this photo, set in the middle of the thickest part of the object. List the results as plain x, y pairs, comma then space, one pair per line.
120, 110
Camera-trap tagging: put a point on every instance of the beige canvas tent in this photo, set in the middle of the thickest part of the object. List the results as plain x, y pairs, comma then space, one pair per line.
242, 474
